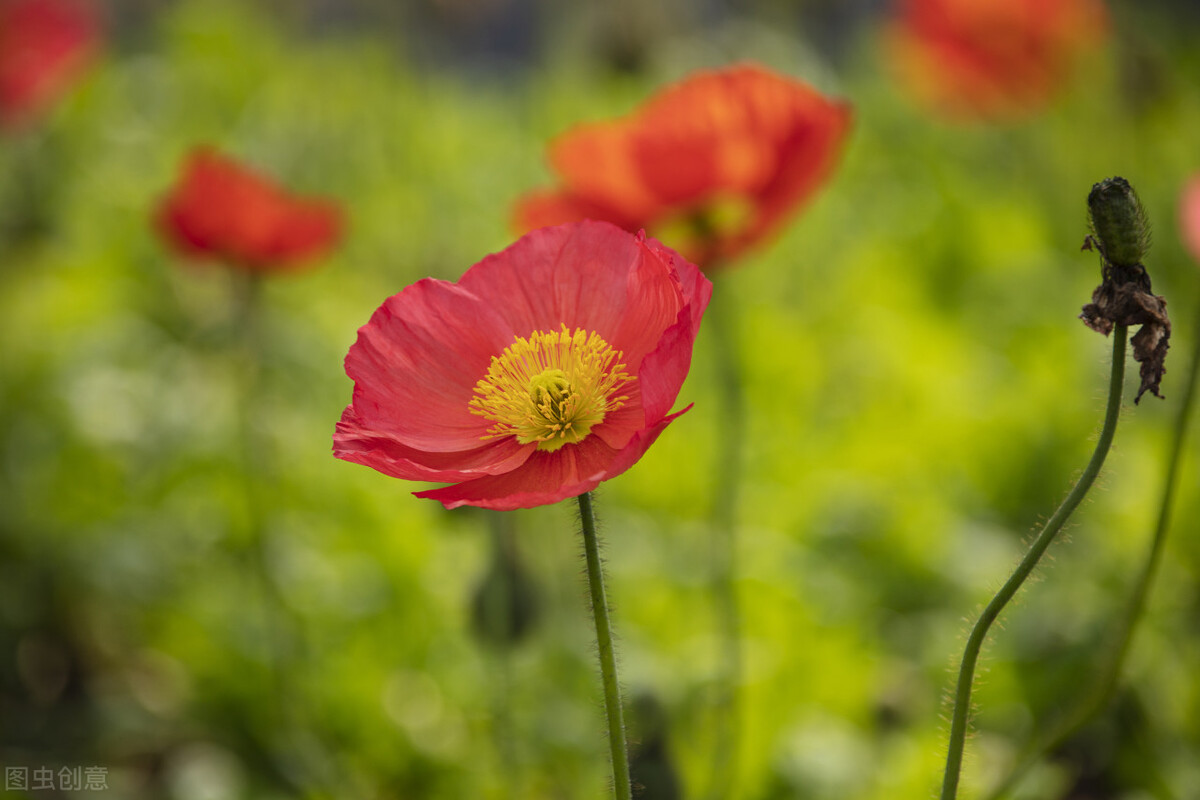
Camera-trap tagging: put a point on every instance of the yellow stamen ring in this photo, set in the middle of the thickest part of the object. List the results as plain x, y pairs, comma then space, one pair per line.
551, 388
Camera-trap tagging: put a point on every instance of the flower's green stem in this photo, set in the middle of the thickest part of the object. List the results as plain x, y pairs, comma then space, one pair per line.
1109, 671
622, 788
966, 673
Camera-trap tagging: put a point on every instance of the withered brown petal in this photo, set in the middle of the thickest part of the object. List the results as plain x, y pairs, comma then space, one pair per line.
1130, 303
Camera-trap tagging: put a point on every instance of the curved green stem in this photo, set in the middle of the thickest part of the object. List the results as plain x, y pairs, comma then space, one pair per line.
1109, 672
619, 751
966, 673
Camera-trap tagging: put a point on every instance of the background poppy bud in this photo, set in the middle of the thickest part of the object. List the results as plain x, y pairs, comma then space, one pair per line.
504, 608
1118, 222
651, 763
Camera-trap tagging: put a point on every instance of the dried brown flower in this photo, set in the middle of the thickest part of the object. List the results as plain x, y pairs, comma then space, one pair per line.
1120, 232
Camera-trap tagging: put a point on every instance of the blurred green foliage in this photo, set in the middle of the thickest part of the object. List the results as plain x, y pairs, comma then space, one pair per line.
197, 596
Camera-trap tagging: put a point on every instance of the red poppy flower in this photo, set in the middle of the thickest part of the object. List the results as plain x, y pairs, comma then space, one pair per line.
222, 210
713, 164
989, 59
1189, 217
548, 368
44, 46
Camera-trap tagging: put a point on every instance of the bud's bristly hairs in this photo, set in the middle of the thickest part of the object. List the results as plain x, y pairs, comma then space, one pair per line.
1120, 233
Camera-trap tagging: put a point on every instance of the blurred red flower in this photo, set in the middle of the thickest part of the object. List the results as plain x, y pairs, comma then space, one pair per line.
548, 368
44, 46
711, 165
990, 59
1189, 216
222, 210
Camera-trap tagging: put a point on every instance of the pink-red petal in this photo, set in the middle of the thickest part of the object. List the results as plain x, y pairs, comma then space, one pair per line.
589, 275
363, 444
550, 477
663, 371
416, 362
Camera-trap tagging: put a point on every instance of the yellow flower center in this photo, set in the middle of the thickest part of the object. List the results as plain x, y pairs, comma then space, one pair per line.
551, 388
716, 218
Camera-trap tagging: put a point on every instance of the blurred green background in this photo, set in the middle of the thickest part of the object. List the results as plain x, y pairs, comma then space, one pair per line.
205, 622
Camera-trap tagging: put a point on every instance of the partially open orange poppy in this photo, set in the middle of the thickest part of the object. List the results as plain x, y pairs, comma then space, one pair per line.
222, 210
990, 59
44, 46
711, 166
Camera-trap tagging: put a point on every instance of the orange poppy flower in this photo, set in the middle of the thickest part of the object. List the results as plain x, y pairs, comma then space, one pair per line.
990, 59
44, 46
222, 210
712, 165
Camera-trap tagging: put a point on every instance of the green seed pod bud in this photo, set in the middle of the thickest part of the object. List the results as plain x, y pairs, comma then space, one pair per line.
505, 606
1118, 222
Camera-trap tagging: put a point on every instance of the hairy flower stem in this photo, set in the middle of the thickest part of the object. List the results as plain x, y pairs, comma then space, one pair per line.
1109, 670
619, 751
966, 673
731, 411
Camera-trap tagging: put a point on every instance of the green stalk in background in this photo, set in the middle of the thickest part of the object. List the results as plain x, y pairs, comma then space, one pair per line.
504, 612
281, 640
618, 749
247, 289
731, 410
